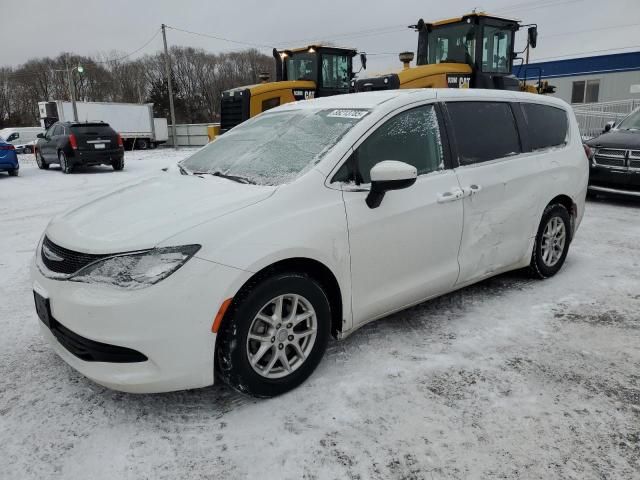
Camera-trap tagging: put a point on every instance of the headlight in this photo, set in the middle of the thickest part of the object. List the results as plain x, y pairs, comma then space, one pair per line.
137, 270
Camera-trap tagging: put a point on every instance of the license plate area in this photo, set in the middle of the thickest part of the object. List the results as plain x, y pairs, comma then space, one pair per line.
43, 308
98, 146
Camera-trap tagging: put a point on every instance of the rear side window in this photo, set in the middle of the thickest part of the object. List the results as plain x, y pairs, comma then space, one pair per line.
57, 130
412, 137
546, 126
483, 131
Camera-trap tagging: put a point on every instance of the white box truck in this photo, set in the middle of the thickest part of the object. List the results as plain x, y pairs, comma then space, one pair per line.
133, 121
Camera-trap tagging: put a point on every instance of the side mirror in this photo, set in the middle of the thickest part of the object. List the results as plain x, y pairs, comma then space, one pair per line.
532, 34
363, 60
389, 175
608, 126
40, 135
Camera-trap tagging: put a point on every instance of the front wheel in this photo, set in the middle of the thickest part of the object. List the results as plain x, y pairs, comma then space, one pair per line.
274, 335
42, 164
552, 242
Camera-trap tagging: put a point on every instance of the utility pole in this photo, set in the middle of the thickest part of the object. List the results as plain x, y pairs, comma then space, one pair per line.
167, 66
72, 89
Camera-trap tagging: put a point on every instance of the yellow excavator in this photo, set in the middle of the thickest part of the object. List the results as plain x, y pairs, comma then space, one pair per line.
301, 74
472, 51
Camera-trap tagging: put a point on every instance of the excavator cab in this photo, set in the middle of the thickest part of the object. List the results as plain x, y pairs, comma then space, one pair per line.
301, 74
472, 51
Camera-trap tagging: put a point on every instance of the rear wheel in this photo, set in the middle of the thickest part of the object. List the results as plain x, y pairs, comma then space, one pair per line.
27, 150
64, 163
118, 164
552, 242
42, 164
142, 144
274, 335
13, 172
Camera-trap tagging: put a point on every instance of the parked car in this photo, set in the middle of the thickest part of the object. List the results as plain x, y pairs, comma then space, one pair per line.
73, 143
8, 158
615, 158
22, 138
307, 221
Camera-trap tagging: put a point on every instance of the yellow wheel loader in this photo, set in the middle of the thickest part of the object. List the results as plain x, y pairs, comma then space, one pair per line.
472, 51
301, 74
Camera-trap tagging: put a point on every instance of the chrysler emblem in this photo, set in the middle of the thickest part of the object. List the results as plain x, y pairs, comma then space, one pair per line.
51, 255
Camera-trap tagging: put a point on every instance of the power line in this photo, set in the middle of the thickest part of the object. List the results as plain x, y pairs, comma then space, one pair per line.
590, 30
217, 37
157, 32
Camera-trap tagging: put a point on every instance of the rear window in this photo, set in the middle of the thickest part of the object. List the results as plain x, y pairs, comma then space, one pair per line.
92, 129
483, 131
546, 126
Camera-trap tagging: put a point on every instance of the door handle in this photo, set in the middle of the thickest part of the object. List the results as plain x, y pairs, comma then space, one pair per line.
471, 189
451, 196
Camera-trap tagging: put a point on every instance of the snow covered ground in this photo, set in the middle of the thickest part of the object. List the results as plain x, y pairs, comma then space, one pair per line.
511, 378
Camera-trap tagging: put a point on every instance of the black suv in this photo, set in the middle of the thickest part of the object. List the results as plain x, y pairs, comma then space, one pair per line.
615, 158
75, 143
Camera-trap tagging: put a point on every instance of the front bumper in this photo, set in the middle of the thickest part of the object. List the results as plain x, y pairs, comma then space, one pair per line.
622, 181
169, 323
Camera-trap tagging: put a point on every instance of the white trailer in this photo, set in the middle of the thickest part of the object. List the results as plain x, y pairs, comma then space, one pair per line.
133, 121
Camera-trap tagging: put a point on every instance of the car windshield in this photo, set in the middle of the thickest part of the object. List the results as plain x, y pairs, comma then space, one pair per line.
274, 148
632, 122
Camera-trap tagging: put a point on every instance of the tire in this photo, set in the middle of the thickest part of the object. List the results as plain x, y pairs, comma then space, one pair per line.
142, 144
64, 163
118, 165
552, 242
27, 150
235, 349
42, 164
13, 172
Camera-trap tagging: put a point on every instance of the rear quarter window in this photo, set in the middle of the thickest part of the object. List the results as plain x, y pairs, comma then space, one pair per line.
483, 131
546, 126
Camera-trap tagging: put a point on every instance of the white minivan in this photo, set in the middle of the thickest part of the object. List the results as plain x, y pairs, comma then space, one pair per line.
307, 221
22, 138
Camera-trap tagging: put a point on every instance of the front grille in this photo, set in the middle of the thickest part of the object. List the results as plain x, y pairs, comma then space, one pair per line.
611, 152
233, 111
61, 260
90, 350
634, 164
609, 161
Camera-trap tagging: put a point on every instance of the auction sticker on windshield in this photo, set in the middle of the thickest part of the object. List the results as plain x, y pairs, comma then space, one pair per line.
347, 113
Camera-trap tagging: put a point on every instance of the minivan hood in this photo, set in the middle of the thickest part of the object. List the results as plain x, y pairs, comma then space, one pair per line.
142, 215
628, 139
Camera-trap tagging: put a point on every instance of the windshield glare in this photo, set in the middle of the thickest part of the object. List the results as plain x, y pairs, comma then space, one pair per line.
631, 122
275, 147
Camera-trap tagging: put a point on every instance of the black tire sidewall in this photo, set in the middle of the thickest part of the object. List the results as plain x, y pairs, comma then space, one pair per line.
537, 264
40, 161
232, 359
64, 163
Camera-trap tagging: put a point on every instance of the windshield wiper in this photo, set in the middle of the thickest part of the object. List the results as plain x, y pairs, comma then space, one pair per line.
183, 170
235, 178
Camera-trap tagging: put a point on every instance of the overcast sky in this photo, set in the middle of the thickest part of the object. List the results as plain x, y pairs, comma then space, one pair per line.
33, 28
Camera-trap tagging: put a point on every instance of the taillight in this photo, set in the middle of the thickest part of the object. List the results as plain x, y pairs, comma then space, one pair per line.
120, 142
587, 151
73, 142
7, 147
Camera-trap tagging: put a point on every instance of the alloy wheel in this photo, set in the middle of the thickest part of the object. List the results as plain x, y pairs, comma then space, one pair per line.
282, 336
554, 238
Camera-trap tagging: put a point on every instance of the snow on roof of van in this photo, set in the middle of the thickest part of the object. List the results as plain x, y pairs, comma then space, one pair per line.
371, 100
357, 100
